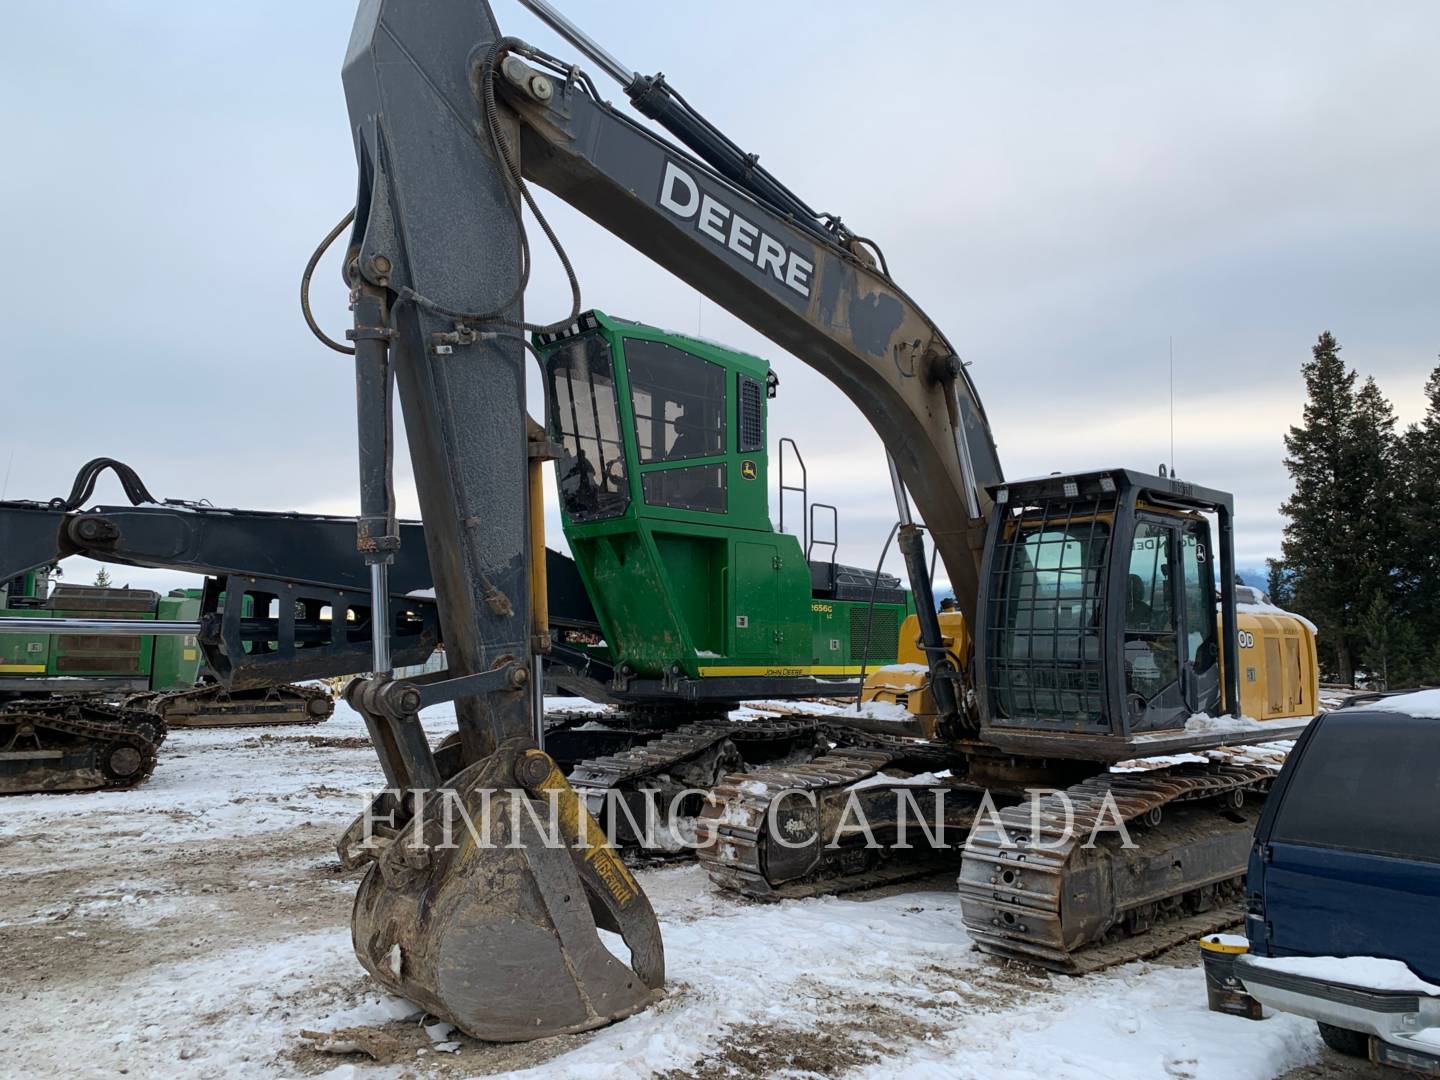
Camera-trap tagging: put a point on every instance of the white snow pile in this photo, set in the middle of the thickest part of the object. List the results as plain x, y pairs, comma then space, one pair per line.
887, 711
1271, 609
1364, 972
871, 710
1423, 703
1203, 724
925, 779
893, 985
903, 669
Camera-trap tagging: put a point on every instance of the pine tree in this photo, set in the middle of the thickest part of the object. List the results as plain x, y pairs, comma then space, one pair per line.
1277, 582
102, 579
1372, 500
1317, 457
1418, 469
1376, 625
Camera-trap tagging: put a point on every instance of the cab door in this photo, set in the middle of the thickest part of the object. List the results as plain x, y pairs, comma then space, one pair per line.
756, 600
1200, 655
1154, 641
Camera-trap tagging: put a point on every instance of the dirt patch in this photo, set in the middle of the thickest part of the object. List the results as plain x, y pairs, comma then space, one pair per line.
1333, 1066
337, 742
406, 1042
828, 1047
118, 914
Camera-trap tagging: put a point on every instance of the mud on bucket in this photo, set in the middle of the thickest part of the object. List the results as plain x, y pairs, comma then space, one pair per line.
1223, 988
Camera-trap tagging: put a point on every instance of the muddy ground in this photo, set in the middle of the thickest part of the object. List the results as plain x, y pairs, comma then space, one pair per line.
198, 926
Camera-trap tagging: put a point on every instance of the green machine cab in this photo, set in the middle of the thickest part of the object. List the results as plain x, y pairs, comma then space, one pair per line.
664, 496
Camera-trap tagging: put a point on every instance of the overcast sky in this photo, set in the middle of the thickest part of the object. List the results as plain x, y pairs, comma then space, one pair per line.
1064, 187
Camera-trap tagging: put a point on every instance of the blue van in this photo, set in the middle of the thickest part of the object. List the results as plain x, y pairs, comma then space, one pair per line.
1346, 865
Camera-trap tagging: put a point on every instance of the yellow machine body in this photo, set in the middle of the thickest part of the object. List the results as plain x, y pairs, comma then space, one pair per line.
907, 681
1279, 671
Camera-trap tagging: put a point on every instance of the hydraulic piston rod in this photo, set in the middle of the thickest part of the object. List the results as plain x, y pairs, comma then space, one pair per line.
20, 624
554, 19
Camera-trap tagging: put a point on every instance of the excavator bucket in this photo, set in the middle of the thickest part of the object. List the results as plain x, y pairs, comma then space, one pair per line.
485, 911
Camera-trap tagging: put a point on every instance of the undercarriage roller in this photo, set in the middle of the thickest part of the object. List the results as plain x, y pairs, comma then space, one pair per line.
497, 932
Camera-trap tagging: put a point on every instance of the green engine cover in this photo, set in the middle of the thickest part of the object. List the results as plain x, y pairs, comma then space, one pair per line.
132, 661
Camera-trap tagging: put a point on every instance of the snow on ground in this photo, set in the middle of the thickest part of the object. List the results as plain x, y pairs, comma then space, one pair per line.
196, 926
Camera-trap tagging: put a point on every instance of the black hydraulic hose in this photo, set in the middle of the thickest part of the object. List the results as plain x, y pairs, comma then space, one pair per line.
870, 614
879, 255
498, 317
349, 350
84, 486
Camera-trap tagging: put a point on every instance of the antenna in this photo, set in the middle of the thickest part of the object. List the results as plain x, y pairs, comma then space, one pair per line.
1172, 404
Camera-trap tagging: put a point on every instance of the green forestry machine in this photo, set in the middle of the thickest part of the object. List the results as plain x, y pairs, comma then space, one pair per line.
84, 708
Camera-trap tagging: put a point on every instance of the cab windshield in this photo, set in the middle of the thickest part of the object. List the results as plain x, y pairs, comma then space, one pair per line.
1047, 629
585, 420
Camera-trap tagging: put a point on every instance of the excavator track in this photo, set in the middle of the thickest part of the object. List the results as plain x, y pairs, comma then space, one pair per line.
1055, 885
75, 745
681, 764
212, 705
814, 800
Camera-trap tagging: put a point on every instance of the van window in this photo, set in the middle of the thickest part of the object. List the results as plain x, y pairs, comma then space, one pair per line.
1367, 783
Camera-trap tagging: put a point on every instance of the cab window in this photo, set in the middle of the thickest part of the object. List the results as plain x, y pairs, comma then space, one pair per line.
679, 402
1152, 658
1200, 632
584, 419
1047, 658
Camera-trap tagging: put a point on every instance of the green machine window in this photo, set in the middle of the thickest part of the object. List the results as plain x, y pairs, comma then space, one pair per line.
585, 421
679, 402
752, 415
694, 487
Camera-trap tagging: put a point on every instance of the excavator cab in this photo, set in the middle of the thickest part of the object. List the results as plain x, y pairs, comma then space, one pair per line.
662, 472
1098, 600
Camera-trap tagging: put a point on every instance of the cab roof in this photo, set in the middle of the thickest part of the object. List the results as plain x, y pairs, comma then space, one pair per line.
706, 349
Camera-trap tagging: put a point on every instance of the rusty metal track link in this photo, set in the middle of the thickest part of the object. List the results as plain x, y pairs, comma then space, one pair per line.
1041, 894
117, 747
737, 820
212, 705
656, 756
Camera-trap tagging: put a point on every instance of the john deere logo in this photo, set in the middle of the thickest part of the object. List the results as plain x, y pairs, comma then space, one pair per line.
748, 470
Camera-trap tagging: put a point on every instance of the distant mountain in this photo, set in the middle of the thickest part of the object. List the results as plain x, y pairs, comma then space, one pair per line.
1253, 575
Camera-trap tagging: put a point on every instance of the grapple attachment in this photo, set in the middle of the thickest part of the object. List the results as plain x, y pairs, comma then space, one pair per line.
485, 911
